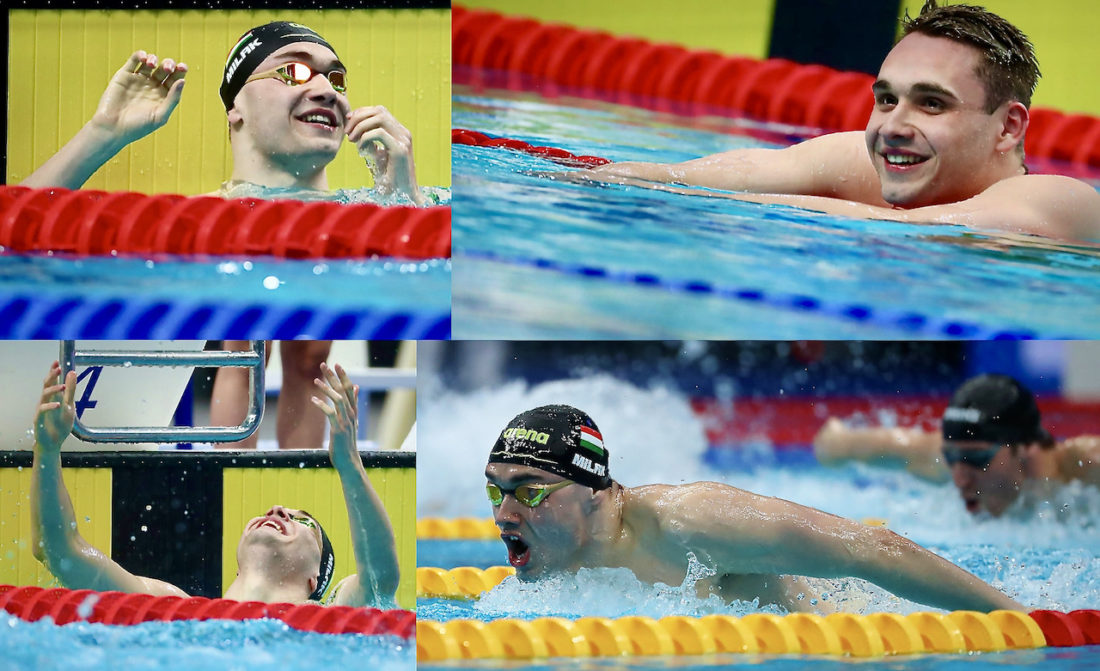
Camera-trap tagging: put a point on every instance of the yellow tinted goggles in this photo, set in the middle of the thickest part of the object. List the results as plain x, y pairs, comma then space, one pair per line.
529, 495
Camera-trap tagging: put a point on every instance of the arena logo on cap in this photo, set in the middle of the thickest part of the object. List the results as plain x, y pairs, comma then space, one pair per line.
972, 415
526, 434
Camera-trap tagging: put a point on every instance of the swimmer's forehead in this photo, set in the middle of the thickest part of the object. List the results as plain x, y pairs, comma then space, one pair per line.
312, 54
517, 474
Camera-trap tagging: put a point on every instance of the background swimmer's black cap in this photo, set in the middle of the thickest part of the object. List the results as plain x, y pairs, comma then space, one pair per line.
328, 563
256, 45
996, 409
556, 438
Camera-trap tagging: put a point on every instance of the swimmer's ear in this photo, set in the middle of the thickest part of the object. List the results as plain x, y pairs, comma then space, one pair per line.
1016, 119
312, 585
234, 117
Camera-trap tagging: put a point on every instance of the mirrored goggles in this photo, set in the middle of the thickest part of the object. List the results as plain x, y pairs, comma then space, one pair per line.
295, 74
978, 457
529, 495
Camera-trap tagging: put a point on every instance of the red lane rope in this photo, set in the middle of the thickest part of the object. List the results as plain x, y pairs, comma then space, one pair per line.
64, 606
92, 223
472, 137
552, 58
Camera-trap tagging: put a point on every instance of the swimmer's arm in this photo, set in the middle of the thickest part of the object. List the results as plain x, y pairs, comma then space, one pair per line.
55, 540
1052, 206
746, 533
911, 448
133, 105
375, 582
1081, 459
834, 165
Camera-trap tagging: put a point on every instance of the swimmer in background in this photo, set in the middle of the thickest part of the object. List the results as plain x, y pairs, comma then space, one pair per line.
284, 92
283, 555
944, 144
298, 424
558, 511
992, 445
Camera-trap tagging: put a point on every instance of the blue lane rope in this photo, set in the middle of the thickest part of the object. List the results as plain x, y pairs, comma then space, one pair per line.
29, 317
910, 322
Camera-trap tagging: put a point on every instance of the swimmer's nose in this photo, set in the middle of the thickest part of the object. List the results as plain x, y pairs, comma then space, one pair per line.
322, 89
895, 126
507, 513
962, 475
279, 511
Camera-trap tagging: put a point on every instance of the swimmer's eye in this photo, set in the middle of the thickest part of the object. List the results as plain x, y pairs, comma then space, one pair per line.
306, 521
529, 495
934, 104
886, 99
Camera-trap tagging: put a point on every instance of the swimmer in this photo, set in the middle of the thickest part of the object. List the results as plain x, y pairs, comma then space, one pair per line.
285, 96
298, 425
992, 445
283, 554
944, 144
558, 510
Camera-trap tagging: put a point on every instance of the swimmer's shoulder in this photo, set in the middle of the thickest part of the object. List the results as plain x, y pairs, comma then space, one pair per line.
1079, 459
1062, 206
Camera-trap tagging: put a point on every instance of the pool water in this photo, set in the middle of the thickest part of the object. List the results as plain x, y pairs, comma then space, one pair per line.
53, 296
545, 258
1044, 554
193, 646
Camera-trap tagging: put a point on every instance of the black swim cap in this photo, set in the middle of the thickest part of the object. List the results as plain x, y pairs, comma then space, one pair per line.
328, 563
256, 45
556, 438
995, 409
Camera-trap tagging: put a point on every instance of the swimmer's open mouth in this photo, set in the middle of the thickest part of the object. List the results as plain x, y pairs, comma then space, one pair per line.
273, 523
972, 505
519, 553
902, 161
319, 117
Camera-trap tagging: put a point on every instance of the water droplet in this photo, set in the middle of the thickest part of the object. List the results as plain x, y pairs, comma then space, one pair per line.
144, 528
148, 507
271, 282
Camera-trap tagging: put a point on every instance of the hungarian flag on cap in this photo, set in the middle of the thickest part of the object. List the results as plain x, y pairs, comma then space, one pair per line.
592, 440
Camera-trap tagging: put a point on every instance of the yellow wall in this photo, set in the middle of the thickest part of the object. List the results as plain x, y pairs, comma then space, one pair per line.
1064, 35
1063, 31
742, 27
251, 491
90, 489
60, 62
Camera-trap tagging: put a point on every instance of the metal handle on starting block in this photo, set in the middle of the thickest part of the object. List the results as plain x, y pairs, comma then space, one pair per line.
253, 360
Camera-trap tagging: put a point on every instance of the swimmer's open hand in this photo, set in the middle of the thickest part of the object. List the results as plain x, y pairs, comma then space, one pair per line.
387, 144
140, 97
342, 412
56, 410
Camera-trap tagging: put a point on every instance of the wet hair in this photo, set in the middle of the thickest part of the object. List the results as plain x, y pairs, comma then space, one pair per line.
1008, 67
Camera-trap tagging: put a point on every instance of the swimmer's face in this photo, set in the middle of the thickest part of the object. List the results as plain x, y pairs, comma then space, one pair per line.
302, 124
991, 488
930, 138
286, 534
548, 537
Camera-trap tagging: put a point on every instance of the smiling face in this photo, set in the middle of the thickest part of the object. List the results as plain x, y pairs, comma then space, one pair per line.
299, 128
284, 534
930, 139
991, 488
545, 538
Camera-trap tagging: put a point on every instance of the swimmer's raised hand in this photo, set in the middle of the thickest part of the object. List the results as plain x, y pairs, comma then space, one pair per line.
386, 143
141, 96
56, 410
342, 412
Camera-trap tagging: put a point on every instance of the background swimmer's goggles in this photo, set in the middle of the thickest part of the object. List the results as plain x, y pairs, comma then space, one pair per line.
528, 495
295, 74
976, 457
